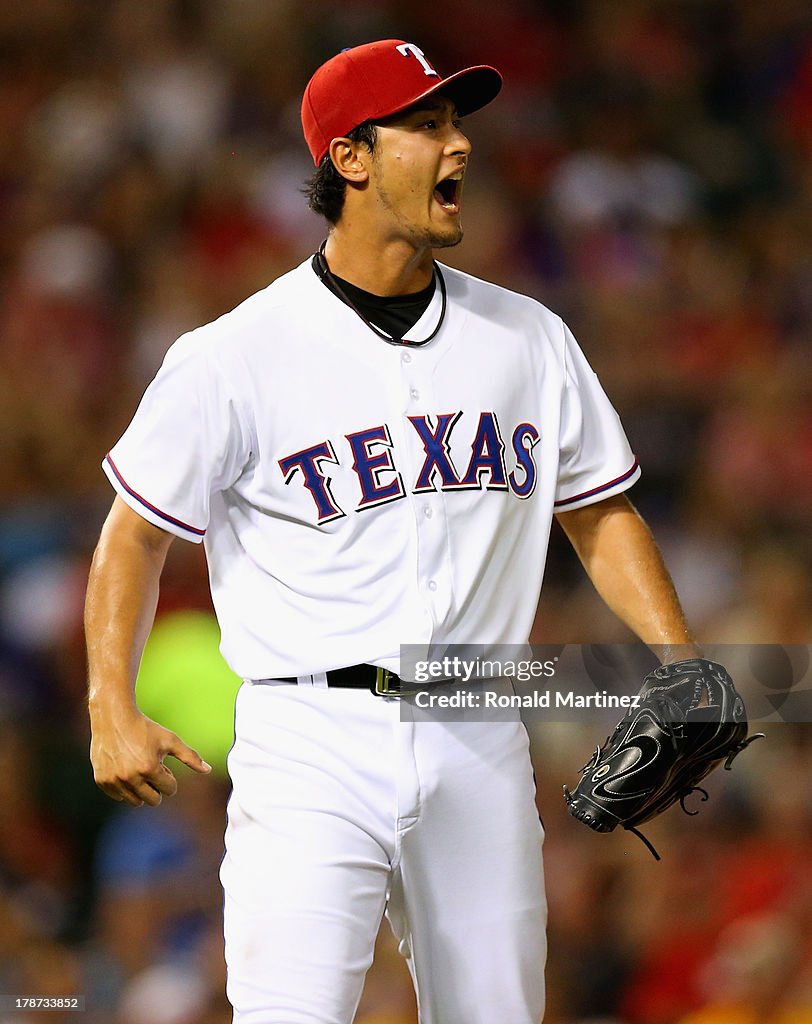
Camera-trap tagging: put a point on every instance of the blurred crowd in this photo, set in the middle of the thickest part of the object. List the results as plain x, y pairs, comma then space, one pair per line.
647, 173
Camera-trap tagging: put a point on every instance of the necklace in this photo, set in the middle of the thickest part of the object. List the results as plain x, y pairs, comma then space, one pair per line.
327, 275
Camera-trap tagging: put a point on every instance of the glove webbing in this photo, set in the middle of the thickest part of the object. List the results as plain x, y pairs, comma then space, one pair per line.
695, 789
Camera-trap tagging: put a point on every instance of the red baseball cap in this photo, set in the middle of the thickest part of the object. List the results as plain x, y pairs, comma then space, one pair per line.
376, 80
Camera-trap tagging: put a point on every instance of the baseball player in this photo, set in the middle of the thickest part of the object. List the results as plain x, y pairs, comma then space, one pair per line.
372, 449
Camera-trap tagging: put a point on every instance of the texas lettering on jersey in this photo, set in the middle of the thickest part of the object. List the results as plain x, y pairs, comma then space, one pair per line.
371, 454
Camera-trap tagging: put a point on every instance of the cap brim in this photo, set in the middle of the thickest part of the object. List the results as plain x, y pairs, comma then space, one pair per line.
469, 89
472, 88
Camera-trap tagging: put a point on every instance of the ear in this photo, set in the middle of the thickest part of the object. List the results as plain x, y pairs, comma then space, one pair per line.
350, 159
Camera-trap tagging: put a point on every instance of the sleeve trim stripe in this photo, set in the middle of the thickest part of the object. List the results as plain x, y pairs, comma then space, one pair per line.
597, 490
146, 504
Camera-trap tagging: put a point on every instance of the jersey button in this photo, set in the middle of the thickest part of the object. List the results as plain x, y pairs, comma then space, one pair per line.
427, 511
414, 393
432, 584
406, 357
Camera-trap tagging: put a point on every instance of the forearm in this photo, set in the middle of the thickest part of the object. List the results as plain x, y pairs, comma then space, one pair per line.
122, 597
624, 563
127, 749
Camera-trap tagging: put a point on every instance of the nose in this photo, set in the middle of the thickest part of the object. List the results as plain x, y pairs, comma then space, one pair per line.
458, 142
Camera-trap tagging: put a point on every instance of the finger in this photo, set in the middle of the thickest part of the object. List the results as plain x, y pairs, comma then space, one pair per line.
110, 790
143, 793
128, 796
149, 795
120, 791
177, 748
163, 780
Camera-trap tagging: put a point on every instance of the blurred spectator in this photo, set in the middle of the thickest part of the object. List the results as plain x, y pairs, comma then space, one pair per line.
156, 876
36, 855
753, 975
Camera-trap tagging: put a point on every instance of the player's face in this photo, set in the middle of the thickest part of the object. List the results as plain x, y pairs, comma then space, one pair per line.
417, 171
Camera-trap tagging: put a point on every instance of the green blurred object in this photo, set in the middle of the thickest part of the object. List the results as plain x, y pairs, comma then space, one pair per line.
185, 685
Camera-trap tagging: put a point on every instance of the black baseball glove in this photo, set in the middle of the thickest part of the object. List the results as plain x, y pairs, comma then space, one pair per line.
688, 719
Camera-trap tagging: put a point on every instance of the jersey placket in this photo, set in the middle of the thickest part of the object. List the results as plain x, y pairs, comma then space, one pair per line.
434, 576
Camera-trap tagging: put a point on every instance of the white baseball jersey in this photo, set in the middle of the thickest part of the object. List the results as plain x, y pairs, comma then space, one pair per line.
354, 495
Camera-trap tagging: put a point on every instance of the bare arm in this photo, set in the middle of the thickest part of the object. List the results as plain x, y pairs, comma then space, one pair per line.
127, 748
621, 558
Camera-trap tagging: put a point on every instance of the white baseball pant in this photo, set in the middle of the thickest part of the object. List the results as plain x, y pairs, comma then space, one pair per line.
341, 812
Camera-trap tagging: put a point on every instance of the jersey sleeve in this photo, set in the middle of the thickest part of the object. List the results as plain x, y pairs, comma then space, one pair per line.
186, 442
595, 459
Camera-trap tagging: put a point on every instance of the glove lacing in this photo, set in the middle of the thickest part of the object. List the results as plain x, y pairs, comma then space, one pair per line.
671, 719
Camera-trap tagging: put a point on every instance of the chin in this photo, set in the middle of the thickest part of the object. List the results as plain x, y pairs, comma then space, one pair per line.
446, 239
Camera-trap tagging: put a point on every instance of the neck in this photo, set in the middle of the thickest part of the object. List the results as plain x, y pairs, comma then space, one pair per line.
386, 268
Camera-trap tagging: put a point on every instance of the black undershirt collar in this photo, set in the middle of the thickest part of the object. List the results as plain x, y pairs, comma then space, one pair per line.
395, 314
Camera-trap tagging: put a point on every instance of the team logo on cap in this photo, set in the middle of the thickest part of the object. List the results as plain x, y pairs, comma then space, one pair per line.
410, 50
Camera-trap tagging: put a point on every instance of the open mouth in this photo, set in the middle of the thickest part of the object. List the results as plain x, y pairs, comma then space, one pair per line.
447, 192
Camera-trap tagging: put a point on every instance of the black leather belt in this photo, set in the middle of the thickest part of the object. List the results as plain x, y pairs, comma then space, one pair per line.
380, 681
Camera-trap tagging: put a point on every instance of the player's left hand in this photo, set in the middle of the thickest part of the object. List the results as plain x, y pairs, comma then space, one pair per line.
689, 718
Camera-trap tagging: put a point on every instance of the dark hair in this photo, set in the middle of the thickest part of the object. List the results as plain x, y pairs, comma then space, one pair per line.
325, 191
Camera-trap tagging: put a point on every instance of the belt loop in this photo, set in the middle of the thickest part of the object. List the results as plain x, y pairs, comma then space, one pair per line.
305, 680
319, 680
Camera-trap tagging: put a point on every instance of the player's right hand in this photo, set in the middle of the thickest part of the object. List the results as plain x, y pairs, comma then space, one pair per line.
127, 752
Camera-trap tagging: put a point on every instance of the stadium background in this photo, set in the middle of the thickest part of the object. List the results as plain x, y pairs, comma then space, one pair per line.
647, 173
